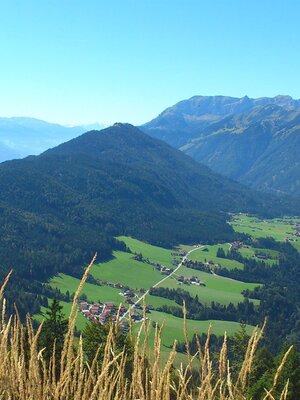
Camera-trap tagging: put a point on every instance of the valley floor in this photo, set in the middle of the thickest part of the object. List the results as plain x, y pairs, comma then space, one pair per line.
150, 266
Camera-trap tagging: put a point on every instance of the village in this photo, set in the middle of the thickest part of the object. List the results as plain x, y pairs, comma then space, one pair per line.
109, 312
103, 313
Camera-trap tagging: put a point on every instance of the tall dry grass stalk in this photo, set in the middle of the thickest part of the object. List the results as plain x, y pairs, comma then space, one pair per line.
25, 375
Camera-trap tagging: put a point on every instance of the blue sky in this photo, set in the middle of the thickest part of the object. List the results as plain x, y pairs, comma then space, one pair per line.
84, 61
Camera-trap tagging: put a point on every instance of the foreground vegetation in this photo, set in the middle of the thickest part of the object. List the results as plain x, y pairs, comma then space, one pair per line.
119, 368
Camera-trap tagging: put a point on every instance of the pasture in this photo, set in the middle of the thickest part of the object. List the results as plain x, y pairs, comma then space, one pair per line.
127, 271
209, 253
219, 289
154, 253
278, 228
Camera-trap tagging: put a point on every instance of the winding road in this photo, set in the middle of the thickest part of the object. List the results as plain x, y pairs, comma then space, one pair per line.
161, 281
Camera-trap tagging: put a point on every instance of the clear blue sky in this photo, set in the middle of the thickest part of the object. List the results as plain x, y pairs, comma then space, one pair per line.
91, 60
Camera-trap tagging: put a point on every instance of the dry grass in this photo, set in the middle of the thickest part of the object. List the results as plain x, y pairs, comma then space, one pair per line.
25, 375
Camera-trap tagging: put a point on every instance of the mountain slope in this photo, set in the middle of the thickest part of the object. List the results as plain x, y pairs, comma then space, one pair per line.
178, 124
171, 178
20, 136
259, 148
7, 153
254, 141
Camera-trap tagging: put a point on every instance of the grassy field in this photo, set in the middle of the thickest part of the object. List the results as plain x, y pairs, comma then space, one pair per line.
249, 252
209, 253
154, 253
277, 228
93, 292
123, 269
173, 327
101, 293
156, 301
218, 288
173, 330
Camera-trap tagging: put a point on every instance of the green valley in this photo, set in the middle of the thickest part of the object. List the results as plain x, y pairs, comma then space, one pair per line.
109, 279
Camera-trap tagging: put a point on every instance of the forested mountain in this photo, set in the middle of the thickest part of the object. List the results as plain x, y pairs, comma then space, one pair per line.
58, 208
252, 140
20, 136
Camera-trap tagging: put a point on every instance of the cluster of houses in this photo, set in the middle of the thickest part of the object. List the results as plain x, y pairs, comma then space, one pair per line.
296, 234
192, 280
112, 284
236, 245
163, 270
129, 296
101, 313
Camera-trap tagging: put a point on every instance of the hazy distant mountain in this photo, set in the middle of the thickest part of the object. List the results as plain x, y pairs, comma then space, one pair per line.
259, 148
7, 153
20, 136
184, 121
255, 141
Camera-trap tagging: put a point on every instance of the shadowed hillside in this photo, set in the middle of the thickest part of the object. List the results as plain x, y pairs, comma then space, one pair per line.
255, 141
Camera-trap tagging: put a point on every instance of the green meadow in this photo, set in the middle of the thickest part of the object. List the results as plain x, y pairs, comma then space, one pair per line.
154, 253
209, 253
249, 252
103, 293
94, 293
156, 301
219, 289
277, 228
173, 329
127, 271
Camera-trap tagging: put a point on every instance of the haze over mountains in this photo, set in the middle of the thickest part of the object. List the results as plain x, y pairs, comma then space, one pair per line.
23, 136
255, 141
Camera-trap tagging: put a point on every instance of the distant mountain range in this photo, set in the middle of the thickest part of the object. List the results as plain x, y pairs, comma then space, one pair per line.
255, 141
20, 136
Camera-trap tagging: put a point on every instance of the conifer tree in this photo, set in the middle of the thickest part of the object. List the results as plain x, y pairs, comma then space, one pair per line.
53, 331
